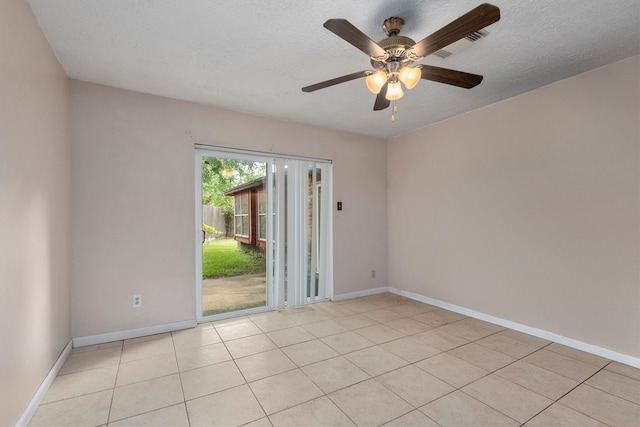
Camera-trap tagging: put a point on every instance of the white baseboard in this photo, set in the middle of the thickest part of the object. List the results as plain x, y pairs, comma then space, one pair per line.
540, 333
26, 416
133, 333
359, 294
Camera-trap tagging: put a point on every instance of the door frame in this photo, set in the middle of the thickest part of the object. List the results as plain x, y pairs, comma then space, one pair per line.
274, 252
210, 151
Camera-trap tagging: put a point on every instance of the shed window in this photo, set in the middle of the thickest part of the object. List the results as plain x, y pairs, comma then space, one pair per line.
262, 214
241, 215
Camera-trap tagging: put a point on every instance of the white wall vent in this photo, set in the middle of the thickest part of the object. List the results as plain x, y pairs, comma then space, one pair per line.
461, 44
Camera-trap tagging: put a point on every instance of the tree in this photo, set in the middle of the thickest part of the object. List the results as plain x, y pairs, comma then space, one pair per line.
219, 175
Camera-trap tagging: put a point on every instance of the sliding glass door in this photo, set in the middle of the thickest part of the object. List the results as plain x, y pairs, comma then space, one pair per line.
264, 232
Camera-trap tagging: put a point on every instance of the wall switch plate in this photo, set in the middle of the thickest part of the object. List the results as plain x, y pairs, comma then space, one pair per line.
137, 301
339, 206
373, 274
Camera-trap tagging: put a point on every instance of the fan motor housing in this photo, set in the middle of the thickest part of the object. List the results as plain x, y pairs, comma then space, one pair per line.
395, 45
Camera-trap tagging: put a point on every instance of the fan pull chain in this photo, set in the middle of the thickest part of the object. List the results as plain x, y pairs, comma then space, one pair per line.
395, 111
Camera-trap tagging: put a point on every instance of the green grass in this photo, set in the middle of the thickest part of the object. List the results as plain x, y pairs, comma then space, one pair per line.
220, 258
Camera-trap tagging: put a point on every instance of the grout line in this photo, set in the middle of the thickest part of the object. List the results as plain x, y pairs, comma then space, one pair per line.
115, 382
558, 399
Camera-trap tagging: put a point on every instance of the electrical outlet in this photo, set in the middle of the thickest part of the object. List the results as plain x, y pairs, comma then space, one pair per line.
373, 274
137, 301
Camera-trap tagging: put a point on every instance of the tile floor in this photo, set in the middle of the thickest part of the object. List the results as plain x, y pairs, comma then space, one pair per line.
377, 360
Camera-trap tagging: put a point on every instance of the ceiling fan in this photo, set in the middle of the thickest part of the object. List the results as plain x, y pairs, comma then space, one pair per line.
392, 58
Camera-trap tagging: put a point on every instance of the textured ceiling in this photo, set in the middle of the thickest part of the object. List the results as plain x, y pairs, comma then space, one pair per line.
255, 56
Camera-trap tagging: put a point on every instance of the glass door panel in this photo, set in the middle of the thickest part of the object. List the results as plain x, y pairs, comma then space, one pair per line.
234, 243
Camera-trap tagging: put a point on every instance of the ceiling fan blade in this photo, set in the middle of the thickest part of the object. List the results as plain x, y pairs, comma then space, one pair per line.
450, 77
475, 20
381, 102
336, 81
347, 31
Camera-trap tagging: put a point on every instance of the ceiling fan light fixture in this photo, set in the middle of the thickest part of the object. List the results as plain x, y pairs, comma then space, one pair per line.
376, 80
410, 76
394, 91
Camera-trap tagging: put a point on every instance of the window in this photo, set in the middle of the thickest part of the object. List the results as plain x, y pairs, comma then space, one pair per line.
262, 214
241, 215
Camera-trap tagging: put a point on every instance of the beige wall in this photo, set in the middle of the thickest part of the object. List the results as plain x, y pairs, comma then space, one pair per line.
34, 209
528, 209
133, 203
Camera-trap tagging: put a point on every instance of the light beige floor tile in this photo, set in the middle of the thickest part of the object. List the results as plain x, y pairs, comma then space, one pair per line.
360, 306
529, 339
83, 361
171, 416
333, 310
413, 419
383, 315
511, 399
146, 338
626, 370
147, 348
493, 327
375, 360
210, 379
233, 407
274, 323
602, 406
578, 354
237, 330
470, 329
369, 403
202, 356
318, 412
325, 328
355, 321
264, 365
616, 384
440, 339
138, 398
408, 326
439, 317
507, 345
306, 317
379, 333
79, 383
542, 381
230, 321
347, 342
265, 314
199, 328
146, 369
262, 422
333, 374
458, 409
482, 357
196, 339
89, 409
250, 345
452, 370
414, 385
309, 352
561, 364
97, 347
284, 391
410, 349
412, 308
558, 415
290, 336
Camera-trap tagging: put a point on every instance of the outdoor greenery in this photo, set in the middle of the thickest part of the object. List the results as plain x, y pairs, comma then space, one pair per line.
220, 258
220, 175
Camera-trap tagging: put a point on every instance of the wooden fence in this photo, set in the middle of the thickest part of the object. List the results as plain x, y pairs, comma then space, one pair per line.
212, 216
